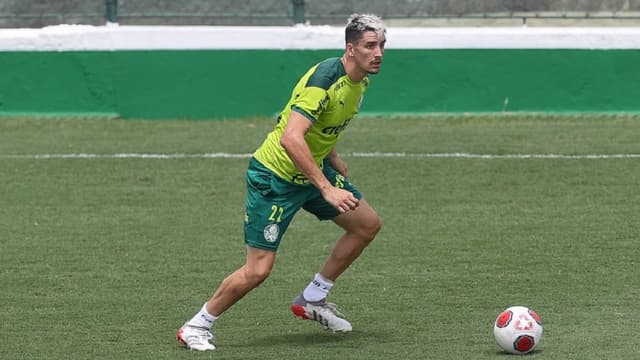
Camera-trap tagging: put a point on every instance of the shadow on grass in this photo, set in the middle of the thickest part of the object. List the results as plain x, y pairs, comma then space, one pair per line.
506, 354
318, 338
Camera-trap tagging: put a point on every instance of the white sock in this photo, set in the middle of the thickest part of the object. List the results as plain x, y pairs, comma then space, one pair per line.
202, 319
317, 289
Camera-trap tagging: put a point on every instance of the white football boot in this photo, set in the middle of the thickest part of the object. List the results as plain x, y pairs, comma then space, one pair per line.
323, 312
195, 338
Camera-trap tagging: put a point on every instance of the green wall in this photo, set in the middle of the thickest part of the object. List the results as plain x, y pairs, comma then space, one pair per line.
228, 83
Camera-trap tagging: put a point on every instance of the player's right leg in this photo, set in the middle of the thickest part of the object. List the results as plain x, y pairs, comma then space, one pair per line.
195, 334
270, 207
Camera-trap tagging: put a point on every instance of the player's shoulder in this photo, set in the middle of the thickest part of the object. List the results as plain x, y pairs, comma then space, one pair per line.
326, 73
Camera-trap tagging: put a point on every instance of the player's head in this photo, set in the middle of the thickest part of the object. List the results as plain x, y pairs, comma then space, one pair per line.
365, 37
358, 24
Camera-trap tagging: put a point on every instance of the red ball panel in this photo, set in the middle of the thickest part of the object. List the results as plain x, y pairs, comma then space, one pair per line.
504, 319
524, 343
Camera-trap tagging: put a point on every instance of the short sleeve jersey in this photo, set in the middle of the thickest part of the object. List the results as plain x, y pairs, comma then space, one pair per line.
329, 100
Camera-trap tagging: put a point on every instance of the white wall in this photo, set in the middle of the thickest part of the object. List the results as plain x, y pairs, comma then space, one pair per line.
114, 37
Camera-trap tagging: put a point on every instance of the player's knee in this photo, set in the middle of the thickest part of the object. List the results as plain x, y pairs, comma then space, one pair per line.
373, 227
368, 230
256, 275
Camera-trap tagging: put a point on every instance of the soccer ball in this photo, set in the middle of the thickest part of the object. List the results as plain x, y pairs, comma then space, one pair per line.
518, 330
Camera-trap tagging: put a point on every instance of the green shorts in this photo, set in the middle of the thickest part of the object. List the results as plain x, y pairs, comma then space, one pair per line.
272, 203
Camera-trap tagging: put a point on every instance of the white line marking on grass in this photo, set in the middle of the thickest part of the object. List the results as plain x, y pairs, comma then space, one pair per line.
220, 155
494, 156
126, 156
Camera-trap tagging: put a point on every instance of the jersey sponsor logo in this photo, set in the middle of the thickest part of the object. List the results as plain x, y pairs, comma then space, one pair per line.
321, 106
336, 130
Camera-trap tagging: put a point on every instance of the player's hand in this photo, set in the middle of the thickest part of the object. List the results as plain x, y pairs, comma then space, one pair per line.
341, 199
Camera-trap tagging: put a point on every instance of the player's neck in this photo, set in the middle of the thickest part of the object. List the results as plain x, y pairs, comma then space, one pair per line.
353, 72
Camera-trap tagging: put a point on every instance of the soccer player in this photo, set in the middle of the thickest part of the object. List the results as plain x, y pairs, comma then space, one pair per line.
298, 167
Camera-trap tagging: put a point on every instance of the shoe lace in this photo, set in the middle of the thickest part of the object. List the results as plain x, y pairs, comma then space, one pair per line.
203, 334
333, 308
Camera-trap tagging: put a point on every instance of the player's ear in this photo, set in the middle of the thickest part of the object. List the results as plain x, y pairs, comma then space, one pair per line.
350, 50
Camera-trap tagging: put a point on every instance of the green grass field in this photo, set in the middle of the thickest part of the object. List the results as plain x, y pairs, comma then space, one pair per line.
104, 257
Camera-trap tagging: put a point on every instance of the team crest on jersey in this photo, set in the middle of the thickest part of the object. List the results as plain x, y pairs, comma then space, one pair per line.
271, 232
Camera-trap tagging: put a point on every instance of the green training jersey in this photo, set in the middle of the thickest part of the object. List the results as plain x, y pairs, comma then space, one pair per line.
326, 97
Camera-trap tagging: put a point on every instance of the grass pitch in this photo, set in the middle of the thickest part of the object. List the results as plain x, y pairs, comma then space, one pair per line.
104, 256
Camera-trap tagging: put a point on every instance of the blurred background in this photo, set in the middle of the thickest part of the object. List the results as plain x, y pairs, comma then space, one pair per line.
40, 13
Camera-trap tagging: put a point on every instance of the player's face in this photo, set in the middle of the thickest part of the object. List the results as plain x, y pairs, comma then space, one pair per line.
368, 52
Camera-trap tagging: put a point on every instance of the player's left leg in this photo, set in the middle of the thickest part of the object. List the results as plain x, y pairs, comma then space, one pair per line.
361, 226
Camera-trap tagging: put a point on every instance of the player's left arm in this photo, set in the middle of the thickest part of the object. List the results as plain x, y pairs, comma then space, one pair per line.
337, 163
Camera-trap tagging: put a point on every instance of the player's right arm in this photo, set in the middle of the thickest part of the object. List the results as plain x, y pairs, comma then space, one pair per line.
294, 143
338, 163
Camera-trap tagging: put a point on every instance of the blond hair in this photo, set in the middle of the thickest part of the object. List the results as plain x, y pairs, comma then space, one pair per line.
357, 24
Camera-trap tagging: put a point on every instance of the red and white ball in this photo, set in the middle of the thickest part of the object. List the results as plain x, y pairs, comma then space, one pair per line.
518, 330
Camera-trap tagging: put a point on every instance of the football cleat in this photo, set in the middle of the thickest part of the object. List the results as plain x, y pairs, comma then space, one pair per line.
323, 312
195, 338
